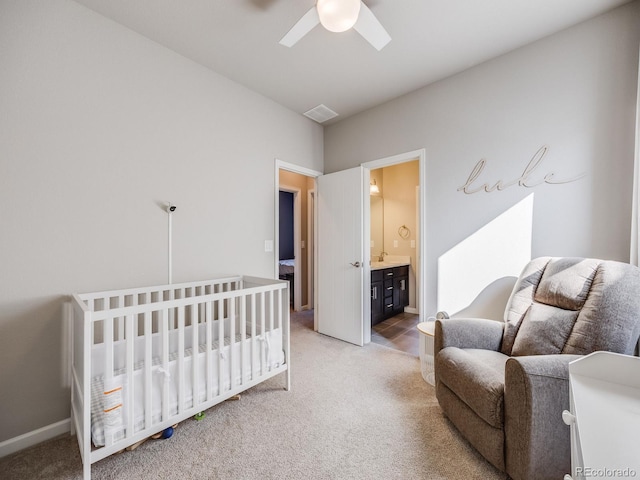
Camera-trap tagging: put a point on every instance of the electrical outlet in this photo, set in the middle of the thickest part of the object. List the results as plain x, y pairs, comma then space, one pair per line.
268, 245
413, 244
301, 243
395, 244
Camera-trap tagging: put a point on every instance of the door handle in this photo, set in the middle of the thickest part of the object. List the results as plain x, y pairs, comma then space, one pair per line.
356, 264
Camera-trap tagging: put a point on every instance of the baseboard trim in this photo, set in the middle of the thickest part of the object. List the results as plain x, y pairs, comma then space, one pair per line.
411, 310
35, 437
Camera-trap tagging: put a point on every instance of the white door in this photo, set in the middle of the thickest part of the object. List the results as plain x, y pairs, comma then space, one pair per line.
341, 306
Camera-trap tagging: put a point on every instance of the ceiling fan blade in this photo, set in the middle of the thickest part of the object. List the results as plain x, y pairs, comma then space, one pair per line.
371, 29
301, 28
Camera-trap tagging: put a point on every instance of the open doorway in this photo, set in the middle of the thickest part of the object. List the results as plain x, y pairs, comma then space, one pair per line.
288, 219
295, 233
397, 223
394, 192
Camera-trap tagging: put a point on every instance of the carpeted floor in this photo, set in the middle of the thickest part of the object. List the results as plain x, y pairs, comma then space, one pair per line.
352, 413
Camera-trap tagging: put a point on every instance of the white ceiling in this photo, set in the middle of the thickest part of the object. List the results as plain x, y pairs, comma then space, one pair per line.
431, 39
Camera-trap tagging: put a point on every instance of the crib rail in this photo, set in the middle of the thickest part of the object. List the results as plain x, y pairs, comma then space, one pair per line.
210, 340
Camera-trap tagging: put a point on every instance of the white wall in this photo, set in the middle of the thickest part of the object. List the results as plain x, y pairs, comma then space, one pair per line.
573, 91
98, 128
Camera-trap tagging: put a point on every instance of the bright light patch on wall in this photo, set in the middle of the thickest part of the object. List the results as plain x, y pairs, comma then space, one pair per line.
481, 263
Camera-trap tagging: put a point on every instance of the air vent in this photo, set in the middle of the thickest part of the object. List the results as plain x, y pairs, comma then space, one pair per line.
320, 114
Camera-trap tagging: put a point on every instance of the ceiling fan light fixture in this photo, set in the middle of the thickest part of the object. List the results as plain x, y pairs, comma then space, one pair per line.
338, 15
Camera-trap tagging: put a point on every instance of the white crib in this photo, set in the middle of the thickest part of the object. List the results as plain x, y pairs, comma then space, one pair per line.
144, 359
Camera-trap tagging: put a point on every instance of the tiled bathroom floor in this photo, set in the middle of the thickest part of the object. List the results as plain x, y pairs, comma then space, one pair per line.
398, 332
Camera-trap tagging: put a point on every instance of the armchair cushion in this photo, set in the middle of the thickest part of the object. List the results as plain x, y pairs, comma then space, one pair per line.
468, 333
544, 330
477, 378
566, 282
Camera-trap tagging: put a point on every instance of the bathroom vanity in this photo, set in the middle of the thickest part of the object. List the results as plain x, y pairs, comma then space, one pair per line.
389, 290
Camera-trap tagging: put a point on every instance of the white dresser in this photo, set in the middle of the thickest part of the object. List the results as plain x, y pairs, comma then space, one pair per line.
604, 416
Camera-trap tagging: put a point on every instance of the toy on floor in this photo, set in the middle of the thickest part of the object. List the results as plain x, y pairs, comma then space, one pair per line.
166, 433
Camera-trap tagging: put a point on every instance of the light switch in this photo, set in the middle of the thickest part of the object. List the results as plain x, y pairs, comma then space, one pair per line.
413, 244
268, 245
395, 244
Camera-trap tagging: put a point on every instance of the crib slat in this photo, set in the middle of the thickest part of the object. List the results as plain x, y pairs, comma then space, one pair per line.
279, 308
195, 360
243, 337
253, 336
285, 331
221, 377
271, 310
262, 332
108, 363
181, 383
171, 311
209, 320
164, 334
120, 299
148, 379
130, 341
232, 342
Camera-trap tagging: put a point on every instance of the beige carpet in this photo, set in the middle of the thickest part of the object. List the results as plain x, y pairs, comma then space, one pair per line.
352, 413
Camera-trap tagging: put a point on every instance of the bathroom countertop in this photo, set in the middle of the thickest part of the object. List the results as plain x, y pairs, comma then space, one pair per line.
391, 261
381, 265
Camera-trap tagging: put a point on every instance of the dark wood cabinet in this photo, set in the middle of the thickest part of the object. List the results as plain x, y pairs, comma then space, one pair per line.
389, 292
377, 297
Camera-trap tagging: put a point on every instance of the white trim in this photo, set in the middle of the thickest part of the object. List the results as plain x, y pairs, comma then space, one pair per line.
35, 437
311, 247
396, 159
307, 172
421, 156
365, 235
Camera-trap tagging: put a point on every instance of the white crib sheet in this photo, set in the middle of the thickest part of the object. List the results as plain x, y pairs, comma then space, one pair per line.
269, 353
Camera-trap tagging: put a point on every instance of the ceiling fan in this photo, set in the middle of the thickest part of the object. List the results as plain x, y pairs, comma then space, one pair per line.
340, 16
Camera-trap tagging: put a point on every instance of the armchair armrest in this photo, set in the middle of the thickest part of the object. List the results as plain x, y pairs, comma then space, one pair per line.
468, 333
536, 393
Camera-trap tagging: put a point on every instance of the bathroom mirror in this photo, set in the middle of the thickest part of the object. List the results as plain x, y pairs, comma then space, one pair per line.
377, 226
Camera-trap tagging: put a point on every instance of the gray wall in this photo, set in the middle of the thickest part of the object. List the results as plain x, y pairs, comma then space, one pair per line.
98, 128
574, 91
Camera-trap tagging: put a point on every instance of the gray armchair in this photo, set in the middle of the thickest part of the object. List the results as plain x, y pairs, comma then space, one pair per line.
504, 385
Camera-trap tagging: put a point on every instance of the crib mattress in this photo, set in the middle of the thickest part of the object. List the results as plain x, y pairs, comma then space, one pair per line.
270, 355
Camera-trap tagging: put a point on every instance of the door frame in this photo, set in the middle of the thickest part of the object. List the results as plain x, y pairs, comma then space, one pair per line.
311, 247
421, 156
307, 172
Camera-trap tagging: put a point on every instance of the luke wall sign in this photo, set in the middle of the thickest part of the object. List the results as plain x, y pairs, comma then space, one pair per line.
531, 176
